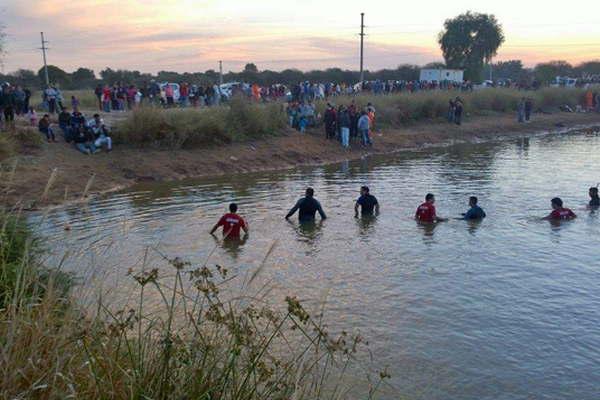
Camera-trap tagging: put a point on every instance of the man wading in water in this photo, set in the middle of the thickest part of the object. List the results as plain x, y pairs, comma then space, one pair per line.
367, 202
308, 207
426, 211
231, 223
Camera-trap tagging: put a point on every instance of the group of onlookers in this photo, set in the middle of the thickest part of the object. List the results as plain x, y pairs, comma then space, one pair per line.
88, 136
348, 123
14, 100
121, 97
301, 115
455, 110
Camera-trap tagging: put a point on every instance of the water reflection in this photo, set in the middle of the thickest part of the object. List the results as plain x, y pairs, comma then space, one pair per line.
366, 224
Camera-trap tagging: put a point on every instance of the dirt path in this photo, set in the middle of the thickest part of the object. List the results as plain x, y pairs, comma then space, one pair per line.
125, 166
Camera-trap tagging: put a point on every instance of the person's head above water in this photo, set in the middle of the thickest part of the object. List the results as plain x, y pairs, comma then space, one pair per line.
233, 208
473, 201
556, 202
364, 190
430, 198
593, 192
310, 192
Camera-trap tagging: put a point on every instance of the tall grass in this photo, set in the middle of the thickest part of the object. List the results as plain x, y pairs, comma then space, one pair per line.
397, 110
201, 343
241, 120
190, 128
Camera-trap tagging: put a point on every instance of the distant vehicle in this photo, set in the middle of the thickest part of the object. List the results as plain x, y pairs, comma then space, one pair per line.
564, 81
175, 87
485, 85
228, 89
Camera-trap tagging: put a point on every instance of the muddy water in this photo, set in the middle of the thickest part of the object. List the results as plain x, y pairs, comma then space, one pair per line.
505, 309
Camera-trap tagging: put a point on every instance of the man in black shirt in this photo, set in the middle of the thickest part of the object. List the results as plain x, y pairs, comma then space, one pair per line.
367, 202
308, 207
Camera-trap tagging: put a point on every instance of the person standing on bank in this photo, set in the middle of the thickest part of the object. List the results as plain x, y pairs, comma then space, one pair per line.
367, 202
307, 207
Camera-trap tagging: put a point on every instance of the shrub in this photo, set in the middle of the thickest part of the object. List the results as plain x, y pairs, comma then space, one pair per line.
190, 128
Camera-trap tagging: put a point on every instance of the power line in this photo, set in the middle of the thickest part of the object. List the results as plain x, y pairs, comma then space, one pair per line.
44, 48
362, 37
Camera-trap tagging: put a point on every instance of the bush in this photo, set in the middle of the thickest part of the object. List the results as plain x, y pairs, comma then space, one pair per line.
28, 137
191, 128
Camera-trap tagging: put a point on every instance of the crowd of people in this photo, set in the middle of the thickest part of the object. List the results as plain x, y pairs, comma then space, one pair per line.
14, 100
308, 206
87, 135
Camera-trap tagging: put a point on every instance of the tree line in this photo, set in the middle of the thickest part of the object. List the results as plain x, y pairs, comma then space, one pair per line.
85, 78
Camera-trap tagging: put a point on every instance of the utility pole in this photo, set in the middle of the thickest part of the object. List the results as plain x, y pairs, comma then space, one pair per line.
44, 48
220, 72
362, 36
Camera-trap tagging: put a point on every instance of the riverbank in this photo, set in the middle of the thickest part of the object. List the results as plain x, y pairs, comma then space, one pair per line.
127, 165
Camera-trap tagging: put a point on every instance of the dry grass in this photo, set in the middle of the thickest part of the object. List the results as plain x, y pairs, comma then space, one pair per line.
190, 128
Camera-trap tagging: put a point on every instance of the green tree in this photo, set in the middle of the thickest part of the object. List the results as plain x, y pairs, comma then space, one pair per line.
251, 68
56, 75
26, 78
511, 69
83, 75
470, 40
588, 68
546, 72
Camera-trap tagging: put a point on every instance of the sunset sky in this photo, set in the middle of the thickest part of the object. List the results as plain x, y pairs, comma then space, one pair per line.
192, 35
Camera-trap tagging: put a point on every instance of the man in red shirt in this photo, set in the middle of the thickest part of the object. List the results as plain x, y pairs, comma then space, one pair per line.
559, 212
426, 211
231, 223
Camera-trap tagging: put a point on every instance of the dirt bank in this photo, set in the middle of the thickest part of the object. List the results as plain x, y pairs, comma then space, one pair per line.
125, 166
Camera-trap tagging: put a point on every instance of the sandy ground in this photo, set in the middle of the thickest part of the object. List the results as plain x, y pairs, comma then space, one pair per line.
125, 166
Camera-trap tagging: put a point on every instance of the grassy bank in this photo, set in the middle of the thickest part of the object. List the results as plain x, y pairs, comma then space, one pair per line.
201, 344
239, 121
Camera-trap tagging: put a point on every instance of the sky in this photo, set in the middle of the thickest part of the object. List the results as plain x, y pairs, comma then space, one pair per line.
193, 35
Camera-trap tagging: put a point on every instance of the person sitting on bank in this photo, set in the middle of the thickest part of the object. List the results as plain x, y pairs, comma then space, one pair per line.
307, 206
559, 212
232, 223
594, 199
84, 141
44, 127
64, 122
475, 212
426, 212
367, 202
100, 132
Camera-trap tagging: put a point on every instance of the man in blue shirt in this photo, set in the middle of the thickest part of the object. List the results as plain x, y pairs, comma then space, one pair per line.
475, 212
367, 203
307, 207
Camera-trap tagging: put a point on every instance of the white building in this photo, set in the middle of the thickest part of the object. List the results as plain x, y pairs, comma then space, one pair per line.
439, 75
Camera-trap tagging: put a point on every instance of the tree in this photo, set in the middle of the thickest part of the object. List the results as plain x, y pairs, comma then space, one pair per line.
56, 75
546, 72
26, 78
588, 68
511, 69
251, 68
83, 77
470, 40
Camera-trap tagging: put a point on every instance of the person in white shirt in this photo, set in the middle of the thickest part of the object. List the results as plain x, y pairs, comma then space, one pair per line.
101, 136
